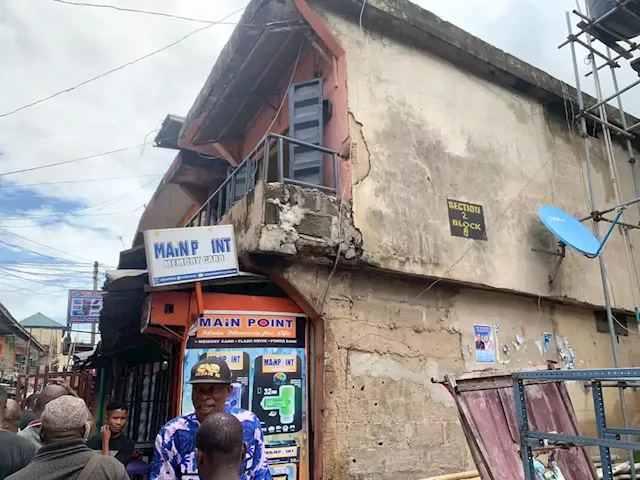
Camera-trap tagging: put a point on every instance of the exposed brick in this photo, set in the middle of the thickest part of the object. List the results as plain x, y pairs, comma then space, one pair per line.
453, 434
370, 312
428, 434
328, 206
360, 286
387, 288
448, 458
409, 317
315, 226
273, 191
271, 214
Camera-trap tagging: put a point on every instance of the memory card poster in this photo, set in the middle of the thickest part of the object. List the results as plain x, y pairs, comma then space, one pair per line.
266, 353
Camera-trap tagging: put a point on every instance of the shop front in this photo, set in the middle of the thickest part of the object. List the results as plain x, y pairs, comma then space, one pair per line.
265, 342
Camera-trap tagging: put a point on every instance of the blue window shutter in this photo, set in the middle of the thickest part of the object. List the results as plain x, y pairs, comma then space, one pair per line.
239, 183
305, 124
228, 191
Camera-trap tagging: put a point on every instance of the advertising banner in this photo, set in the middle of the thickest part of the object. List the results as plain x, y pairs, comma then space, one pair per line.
84, 306
266, 353
485, 348
182, 255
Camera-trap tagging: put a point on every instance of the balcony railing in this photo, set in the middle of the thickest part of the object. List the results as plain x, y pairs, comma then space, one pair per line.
258, 165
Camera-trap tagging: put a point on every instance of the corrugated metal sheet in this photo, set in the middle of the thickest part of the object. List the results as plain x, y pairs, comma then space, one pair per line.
487, 410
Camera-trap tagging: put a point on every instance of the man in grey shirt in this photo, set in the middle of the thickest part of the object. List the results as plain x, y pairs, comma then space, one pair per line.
64, 456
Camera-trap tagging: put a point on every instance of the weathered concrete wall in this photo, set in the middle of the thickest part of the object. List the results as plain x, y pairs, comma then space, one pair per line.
291, 220
384, 341
424, 131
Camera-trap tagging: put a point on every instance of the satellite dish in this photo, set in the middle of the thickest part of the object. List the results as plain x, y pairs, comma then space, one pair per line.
571, 232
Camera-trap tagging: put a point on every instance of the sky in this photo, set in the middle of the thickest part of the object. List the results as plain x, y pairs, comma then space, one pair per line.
55, 222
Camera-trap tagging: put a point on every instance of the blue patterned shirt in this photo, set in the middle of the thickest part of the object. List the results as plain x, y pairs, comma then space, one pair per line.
175, 452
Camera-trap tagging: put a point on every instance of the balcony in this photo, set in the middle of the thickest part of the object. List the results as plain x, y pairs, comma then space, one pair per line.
283, 199
274, 156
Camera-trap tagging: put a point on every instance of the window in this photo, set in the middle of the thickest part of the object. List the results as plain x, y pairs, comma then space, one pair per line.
620, 323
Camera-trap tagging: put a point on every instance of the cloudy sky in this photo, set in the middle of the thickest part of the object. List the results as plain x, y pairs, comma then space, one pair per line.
54, 222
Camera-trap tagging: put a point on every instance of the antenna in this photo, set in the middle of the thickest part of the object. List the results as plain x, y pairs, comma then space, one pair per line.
572, 233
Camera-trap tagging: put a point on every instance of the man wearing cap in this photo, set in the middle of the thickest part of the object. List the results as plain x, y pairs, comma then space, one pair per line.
175, 452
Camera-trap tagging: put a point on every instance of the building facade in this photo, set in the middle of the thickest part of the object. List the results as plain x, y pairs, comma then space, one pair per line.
384, 168
50, 334
18, 348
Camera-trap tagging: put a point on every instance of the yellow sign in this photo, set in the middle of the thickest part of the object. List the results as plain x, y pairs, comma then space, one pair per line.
235, 360
281, 452
279, 363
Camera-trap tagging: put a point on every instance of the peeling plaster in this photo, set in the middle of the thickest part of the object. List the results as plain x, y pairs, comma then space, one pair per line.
385, 366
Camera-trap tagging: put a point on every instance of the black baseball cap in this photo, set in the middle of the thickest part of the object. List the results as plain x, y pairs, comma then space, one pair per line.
210, 370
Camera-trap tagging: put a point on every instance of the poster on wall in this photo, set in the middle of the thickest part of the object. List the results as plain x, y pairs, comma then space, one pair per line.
266, 353
485, 347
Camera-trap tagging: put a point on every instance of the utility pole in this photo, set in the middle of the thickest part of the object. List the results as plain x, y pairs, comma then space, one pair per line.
95, 287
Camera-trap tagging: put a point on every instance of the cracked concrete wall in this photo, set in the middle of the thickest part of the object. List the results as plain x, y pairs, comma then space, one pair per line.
293, 221
385, 338
424, 131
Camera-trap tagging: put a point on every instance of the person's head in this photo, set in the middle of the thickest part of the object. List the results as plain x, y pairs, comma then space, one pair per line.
211, 381
479, 337
64, 419
49, 393
116, 417
31, 402
11, 418
219, 447
4, 396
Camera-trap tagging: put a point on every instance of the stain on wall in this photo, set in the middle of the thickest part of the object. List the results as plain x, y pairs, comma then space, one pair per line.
423, 130
385, 338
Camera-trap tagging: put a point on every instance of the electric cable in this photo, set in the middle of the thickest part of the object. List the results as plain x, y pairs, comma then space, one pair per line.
84, 180
160, 14
42, 244
65, 162
113, 70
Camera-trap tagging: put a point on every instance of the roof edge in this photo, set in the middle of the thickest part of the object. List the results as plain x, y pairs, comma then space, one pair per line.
21, 330
430, 32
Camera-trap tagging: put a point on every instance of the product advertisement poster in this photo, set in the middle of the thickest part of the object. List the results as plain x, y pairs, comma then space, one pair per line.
266, 353
485, 348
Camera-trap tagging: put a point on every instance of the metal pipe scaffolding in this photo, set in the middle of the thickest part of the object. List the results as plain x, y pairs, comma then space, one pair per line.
607, 128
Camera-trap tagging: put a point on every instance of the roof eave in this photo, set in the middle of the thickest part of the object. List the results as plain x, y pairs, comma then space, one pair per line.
20, 330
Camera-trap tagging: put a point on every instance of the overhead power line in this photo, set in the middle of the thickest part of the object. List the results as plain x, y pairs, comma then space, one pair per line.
148, 12
43, 245
60, 217
24, 249
83, 180
120, 67
65, 162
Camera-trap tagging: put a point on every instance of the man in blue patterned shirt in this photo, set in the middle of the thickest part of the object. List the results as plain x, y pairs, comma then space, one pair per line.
175, 453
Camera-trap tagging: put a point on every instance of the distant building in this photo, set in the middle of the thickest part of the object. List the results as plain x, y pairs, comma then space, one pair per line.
50, 334
15, 345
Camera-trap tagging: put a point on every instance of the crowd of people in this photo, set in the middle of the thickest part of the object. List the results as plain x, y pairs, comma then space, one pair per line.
50, 439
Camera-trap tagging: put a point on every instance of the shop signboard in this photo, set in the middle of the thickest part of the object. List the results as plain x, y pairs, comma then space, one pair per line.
267, 355
183, 255
84, 306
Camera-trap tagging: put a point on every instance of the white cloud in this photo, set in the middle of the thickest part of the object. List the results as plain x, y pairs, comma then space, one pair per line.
50, 46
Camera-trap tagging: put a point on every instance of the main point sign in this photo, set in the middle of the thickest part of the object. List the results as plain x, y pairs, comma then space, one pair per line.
182, 255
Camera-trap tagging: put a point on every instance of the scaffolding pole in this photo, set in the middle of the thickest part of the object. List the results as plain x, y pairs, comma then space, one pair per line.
598, 114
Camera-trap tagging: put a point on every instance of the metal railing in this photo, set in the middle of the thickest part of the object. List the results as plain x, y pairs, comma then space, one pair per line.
245, 176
